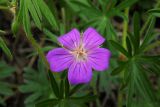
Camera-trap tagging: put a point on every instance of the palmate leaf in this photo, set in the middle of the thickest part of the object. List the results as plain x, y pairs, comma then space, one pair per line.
144, 85
27, 8
139, 85
119, 47
5, 88
38, 88
37, 9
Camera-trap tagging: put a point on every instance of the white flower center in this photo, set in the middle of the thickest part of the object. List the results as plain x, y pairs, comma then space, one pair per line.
79, 52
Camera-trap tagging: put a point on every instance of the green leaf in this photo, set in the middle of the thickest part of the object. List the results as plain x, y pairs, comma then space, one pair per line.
129, 46
21, 11
131, 91
27, 29
44, 49
50, 35
133, 42
35, 3
6, 70
47, 14
32, 98
136, 25
2, 102
83, 99
125, 4
155, 12
5, 89
67, 88
118, 69
47, 103
54, 85
26, 19
119, 47
3, 1
61, 90
75, 89
5, 49
144, 85
149, 34
34, 13
34, 86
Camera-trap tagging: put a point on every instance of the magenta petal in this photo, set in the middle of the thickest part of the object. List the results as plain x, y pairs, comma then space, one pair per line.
59, 59
91, 38
99, 58
79, 72
71, 39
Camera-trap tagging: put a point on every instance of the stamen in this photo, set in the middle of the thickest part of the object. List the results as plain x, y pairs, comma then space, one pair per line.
80, 53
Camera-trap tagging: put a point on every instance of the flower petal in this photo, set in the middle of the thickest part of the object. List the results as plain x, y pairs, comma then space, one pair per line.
79, 72
59, 59
99, 58
91, 38
71, 39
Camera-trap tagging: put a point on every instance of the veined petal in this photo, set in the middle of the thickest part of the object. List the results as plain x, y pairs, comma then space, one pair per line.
59, 59
70, 40
99, 58
79, 72
91, 38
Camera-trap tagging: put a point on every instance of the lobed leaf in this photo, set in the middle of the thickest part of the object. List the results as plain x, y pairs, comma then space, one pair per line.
119, 47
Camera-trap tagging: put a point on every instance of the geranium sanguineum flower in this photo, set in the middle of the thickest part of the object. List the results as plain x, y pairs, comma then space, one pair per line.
80, 53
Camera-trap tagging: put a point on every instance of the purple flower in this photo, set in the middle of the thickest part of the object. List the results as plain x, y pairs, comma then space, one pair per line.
80, 53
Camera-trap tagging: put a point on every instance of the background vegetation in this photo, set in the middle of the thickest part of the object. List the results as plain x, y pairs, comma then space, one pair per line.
29, 28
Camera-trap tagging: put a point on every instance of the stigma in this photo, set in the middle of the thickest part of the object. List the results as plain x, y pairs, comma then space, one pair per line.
80, 53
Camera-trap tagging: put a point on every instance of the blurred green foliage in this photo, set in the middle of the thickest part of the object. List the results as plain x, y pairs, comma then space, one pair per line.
130, 67
5, 88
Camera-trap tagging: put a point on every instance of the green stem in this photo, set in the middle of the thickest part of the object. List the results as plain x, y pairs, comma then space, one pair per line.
2, 32
97, 100
125, 29
64, 19
38, 49
4, 8
148, 20
98, 104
